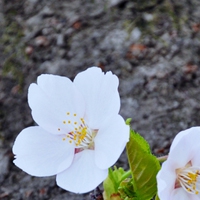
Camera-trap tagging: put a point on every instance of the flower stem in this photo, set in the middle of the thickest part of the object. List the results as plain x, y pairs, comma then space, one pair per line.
162, 158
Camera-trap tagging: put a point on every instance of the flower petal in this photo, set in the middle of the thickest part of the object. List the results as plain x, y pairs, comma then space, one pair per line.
179, 193
83, 175
51, 100
193, 140
40, 153
191, 132
101, 95
186, 144
110, 141
166, 178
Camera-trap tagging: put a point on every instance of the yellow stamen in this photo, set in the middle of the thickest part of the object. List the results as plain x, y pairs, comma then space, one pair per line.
189, 178
80, 135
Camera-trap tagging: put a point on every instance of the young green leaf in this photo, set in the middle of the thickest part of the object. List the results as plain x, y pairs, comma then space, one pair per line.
126, 189
112, 183
157, 198
144, 166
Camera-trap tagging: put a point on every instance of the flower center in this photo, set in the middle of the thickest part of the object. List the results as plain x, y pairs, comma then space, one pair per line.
81, 134
189, 178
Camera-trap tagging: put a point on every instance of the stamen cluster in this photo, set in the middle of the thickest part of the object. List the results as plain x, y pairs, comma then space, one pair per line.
81, 134
189, 179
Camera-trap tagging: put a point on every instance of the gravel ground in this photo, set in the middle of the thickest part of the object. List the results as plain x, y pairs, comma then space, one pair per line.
152, 46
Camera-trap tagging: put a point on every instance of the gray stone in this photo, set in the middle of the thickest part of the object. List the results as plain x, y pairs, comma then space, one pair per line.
4, 165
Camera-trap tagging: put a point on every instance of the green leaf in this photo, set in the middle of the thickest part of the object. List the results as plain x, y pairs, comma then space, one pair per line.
112, 182
126, 189
144, 166
157, 198
128, 121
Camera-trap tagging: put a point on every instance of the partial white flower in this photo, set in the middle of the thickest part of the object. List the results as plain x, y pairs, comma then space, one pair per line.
79, 134
179, 177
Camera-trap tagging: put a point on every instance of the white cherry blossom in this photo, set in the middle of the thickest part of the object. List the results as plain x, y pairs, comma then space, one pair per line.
79, 134
179, 177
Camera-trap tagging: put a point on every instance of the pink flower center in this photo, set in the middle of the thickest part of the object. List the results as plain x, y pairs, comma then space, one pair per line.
81, 135
188, 178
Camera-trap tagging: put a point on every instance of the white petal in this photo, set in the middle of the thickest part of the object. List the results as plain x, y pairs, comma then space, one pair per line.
185, 133
181, 194
50, 101
177, 138
40, 153
166, 178
196, 159
185, 146
110, 141
62, 91
83, 175
101, 95
193, 138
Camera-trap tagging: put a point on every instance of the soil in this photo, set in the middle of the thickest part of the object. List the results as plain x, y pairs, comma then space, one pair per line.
152, 46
